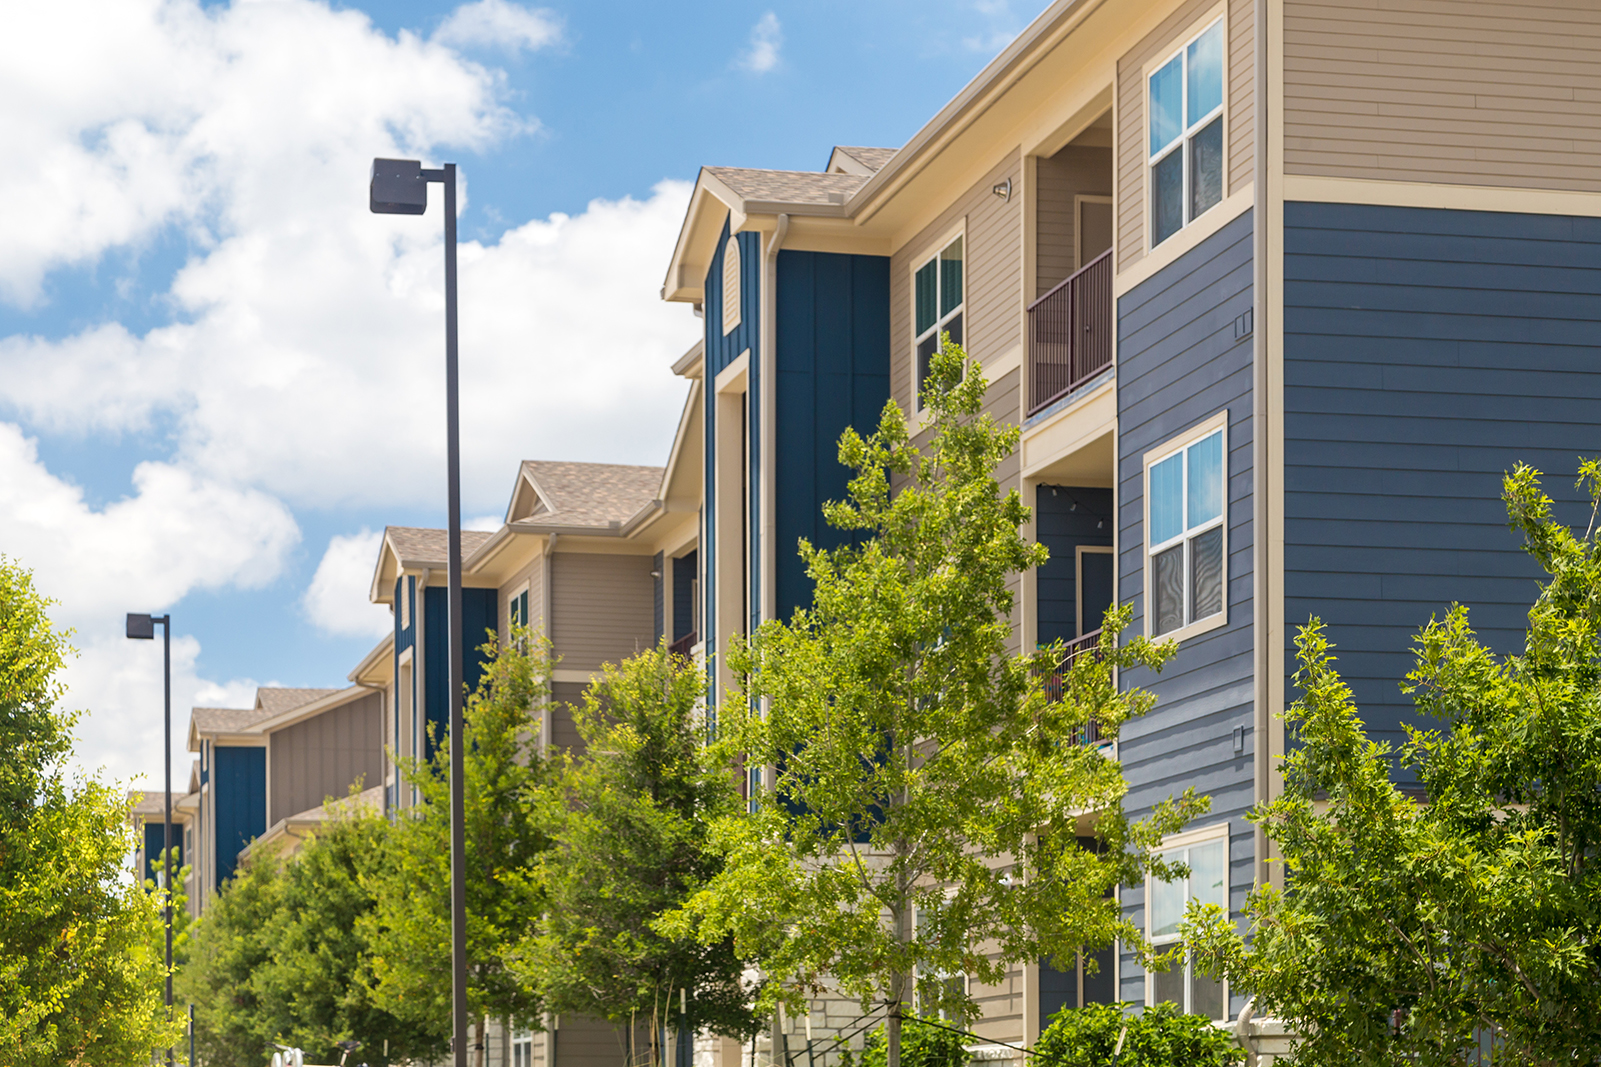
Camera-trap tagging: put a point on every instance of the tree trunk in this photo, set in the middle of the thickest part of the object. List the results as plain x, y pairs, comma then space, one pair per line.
478, 1045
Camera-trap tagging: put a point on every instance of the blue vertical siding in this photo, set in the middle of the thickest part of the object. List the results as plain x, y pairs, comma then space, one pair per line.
832, 363
1426, 352
477, 616
1062, 528
684, 572
239, 789
1179, 363
155, 831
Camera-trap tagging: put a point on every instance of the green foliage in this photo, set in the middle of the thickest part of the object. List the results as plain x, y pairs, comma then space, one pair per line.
408, 930
1160, 1036
279, 957
921, 1046
80, 981
925, 800
628, 814
1412, 930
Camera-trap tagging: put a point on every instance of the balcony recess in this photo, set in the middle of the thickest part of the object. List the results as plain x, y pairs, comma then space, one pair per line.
1070, 334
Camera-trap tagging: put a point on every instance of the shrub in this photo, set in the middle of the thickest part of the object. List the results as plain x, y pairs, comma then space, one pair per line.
1161, 1036
921, 1046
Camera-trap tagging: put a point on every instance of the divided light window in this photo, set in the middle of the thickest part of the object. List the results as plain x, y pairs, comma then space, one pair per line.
937, 289
1186, 568
1207, 883
1185, 105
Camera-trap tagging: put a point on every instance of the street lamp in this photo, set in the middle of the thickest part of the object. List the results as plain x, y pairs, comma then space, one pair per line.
143, 628
400, 187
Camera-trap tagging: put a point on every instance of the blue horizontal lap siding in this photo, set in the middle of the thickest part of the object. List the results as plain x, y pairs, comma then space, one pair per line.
833, 372
1178, 364
1426, 352
240, 791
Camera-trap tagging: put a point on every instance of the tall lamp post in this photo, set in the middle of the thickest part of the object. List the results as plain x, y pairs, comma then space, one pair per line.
143, 628
400, 187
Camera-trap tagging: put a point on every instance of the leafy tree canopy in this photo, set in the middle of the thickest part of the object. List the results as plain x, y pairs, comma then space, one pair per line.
1413, 930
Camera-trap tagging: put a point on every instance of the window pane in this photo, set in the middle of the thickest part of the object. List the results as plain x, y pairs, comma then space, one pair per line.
925, 353
1205, 481
1167, 93
1206, 167
1169, 986
1206, 997
925, 283
950, 277
1167, 499
954, 328
1205, 74
1167, 197
1206, 574
1209, 874
1167, 904
1167, 592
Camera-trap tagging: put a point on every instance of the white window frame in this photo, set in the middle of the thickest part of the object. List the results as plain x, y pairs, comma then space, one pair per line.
1174, 445
522, 1048
938, 977
959, 233
1079, 552
1218, 15
733, 284
1188, 839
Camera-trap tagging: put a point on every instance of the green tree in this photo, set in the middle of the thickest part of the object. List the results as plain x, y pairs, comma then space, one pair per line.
408, 930
926, 797
1412, 931
629, 815
80, 978
1160, 1036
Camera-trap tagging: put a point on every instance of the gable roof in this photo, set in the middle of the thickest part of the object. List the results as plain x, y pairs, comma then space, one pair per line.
275, 699
583, 494
418, 546
789, 187
856, 159
224, 720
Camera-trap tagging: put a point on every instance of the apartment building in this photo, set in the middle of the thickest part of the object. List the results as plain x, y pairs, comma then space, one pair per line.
1276, 291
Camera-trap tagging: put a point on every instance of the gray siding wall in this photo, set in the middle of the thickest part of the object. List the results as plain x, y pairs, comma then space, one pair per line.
602, 607
1179, 364
1426, 352
323, 756
564, 696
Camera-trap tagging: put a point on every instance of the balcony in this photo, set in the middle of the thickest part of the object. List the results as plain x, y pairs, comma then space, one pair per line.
1056, 681
684, 645
1070, 334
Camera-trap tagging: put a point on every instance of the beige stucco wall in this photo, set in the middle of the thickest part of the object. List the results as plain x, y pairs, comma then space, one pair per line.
1490, 94
1132, 138
322, 756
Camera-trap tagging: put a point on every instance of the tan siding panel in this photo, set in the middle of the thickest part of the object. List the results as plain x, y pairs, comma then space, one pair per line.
603, 608
1437, 91
564, 696
994, 274
1074, 171
534, 575
1131, 154
325, 755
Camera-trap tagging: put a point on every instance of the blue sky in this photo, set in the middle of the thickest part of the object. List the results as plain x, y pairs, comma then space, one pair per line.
222, 373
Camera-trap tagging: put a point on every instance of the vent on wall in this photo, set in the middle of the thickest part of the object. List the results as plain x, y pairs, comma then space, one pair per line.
731, 284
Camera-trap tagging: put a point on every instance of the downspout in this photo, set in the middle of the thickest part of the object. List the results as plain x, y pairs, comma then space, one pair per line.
769, 401
1261, 590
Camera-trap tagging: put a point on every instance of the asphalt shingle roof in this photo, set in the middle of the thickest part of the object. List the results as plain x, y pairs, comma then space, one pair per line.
871, 158
417, 545
226, 720
275, 699
788, 186
592, 494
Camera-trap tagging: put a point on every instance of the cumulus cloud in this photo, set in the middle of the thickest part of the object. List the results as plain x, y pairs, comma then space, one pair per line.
766, 39
337, 599
499, 24
301, 365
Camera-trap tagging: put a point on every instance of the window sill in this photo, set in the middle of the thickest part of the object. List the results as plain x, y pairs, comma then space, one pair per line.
1196, 629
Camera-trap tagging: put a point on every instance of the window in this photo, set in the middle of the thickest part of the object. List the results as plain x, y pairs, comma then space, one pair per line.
936, 991
731, 284
1185, 568
1185, 112
937, 299
517, 609
522, 1048
1207, 883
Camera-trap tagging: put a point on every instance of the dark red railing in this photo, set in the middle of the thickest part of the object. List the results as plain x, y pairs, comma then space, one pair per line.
1056, 681
682, 646
1070, 334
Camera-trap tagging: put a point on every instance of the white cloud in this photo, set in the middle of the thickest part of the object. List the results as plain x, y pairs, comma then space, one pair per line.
499, 24
766, 39
337, 599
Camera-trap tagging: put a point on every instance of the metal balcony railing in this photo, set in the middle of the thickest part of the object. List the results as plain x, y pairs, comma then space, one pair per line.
1056, 681
1070, 333
683, 645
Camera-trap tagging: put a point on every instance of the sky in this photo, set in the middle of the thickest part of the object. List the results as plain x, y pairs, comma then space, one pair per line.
221, 376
